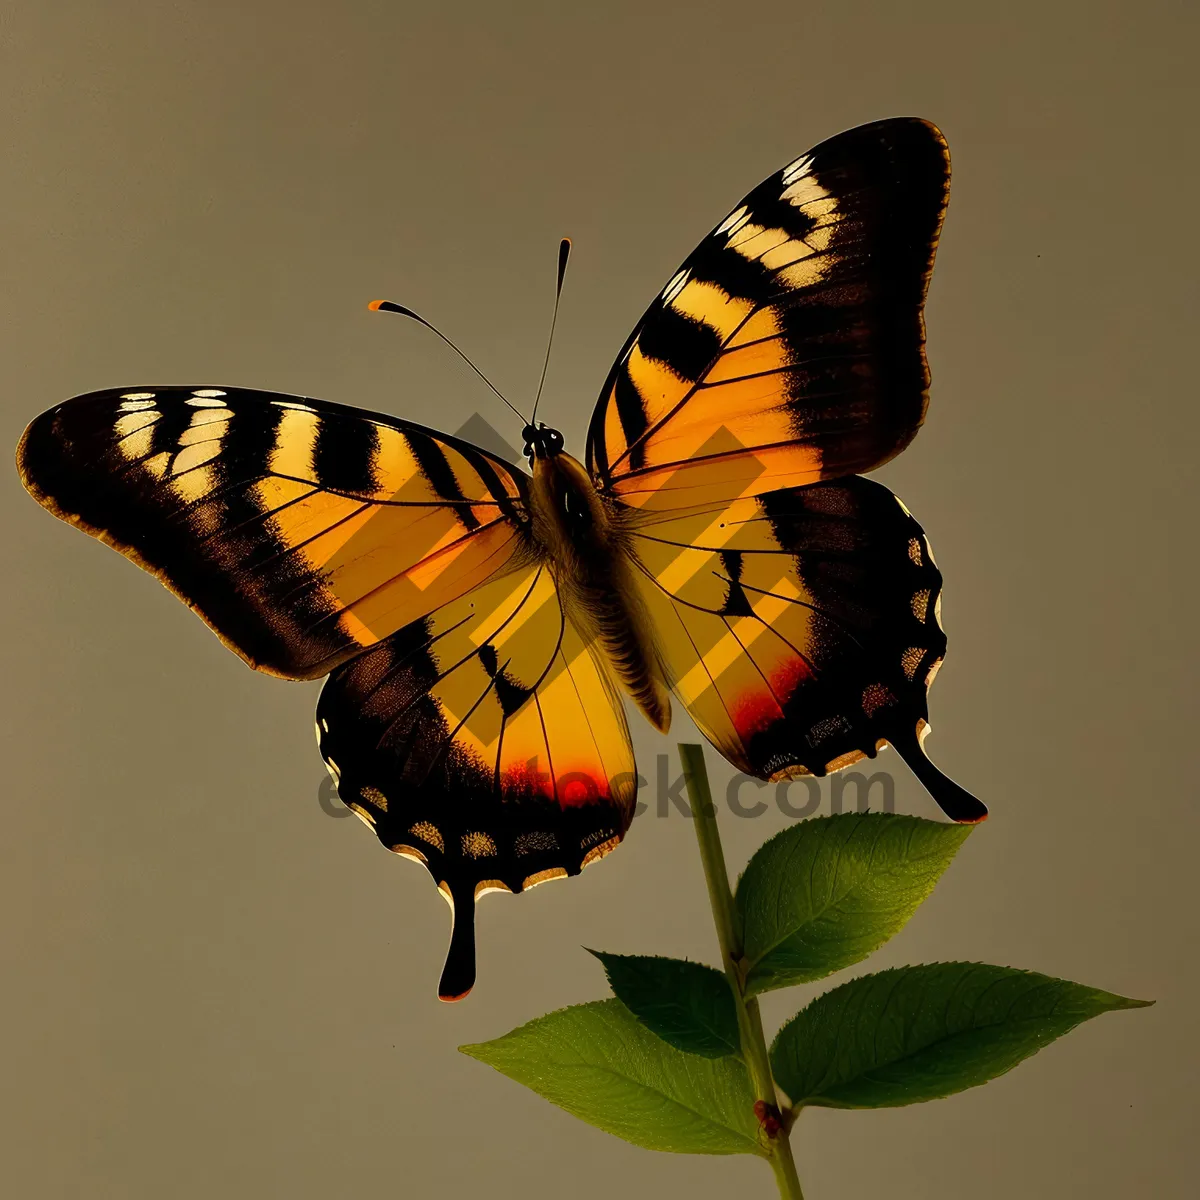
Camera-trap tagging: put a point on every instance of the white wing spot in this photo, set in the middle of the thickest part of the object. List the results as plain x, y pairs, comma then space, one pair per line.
753, 241
205, 402
675, 286
135, 405
208, 393
138, 396
126, 426
292, 404
205, 425
737, 216
795, 170
805, 190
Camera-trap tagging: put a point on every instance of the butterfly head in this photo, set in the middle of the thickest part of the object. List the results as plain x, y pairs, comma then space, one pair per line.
541, 442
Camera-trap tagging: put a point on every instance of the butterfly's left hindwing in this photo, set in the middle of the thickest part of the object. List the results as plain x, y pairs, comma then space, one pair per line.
301, 531
486, 740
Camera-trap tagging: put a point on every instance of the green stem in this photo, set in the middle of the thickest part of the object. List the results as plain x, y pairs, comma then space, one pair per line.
754, 1046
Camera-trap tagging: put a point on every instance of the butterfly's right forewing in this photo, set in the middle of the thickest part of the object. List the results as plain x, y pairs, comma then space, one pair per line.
788, 348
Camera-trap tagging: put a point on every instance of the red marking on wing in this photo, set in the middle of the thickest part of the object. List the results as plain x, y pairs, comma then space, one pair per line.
582, 787
755, 710
571, 788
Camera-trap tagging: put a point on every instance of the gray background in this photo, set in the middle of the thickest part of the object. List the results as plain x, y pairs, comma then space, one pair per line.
211, 987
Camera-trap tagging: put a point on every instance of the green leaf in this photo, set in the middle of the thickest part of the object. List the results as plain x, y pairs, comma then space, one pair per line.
686, 1004
601, 1064
919, 1033
826, 892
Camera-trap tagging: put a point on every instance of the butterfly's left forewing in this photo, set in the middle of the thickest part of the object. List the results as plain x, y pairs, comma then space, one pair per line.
301, 531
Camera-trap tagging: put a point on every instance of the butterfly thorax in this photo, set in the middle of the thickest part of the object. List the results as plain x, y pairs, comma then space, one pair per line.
582, 537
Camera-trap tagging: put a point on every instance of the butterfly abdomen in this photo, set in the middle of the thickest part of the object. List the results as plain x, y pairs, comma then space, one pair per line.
583, 542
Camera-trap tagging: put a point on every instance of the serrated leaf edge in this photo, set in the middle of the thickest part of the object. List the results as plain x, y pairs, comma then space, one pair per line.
861, 821
1127, 1003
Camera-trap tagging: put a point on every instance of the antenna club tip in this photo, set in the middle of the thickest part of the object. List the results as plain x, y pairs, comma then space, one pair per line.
376, 305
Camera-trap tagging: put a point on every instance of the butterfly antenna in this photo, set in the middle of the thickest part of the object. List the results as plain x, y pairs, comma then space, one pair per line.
564, 252
389, 306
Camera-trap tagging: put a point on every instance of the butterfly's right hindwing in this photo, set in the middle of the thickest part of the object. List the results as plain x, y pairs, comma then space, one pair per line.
800, 629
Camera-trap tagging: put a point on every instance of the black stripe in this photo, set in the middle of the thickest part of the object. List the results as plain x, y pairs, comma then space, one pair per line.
714, 262
683, 343
631, 410
831, 312
250, 437
344, 455
736, 603
768, 208
431, 458
167, 430
493, 482
510, 693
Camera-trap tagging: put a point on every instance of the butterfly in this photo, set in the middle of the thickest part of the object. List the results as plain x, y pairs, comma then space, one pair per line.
481, 626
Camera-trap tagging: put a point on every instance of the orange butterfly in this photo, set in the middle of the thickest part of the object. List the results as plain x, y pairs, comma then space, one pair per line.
480, 625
